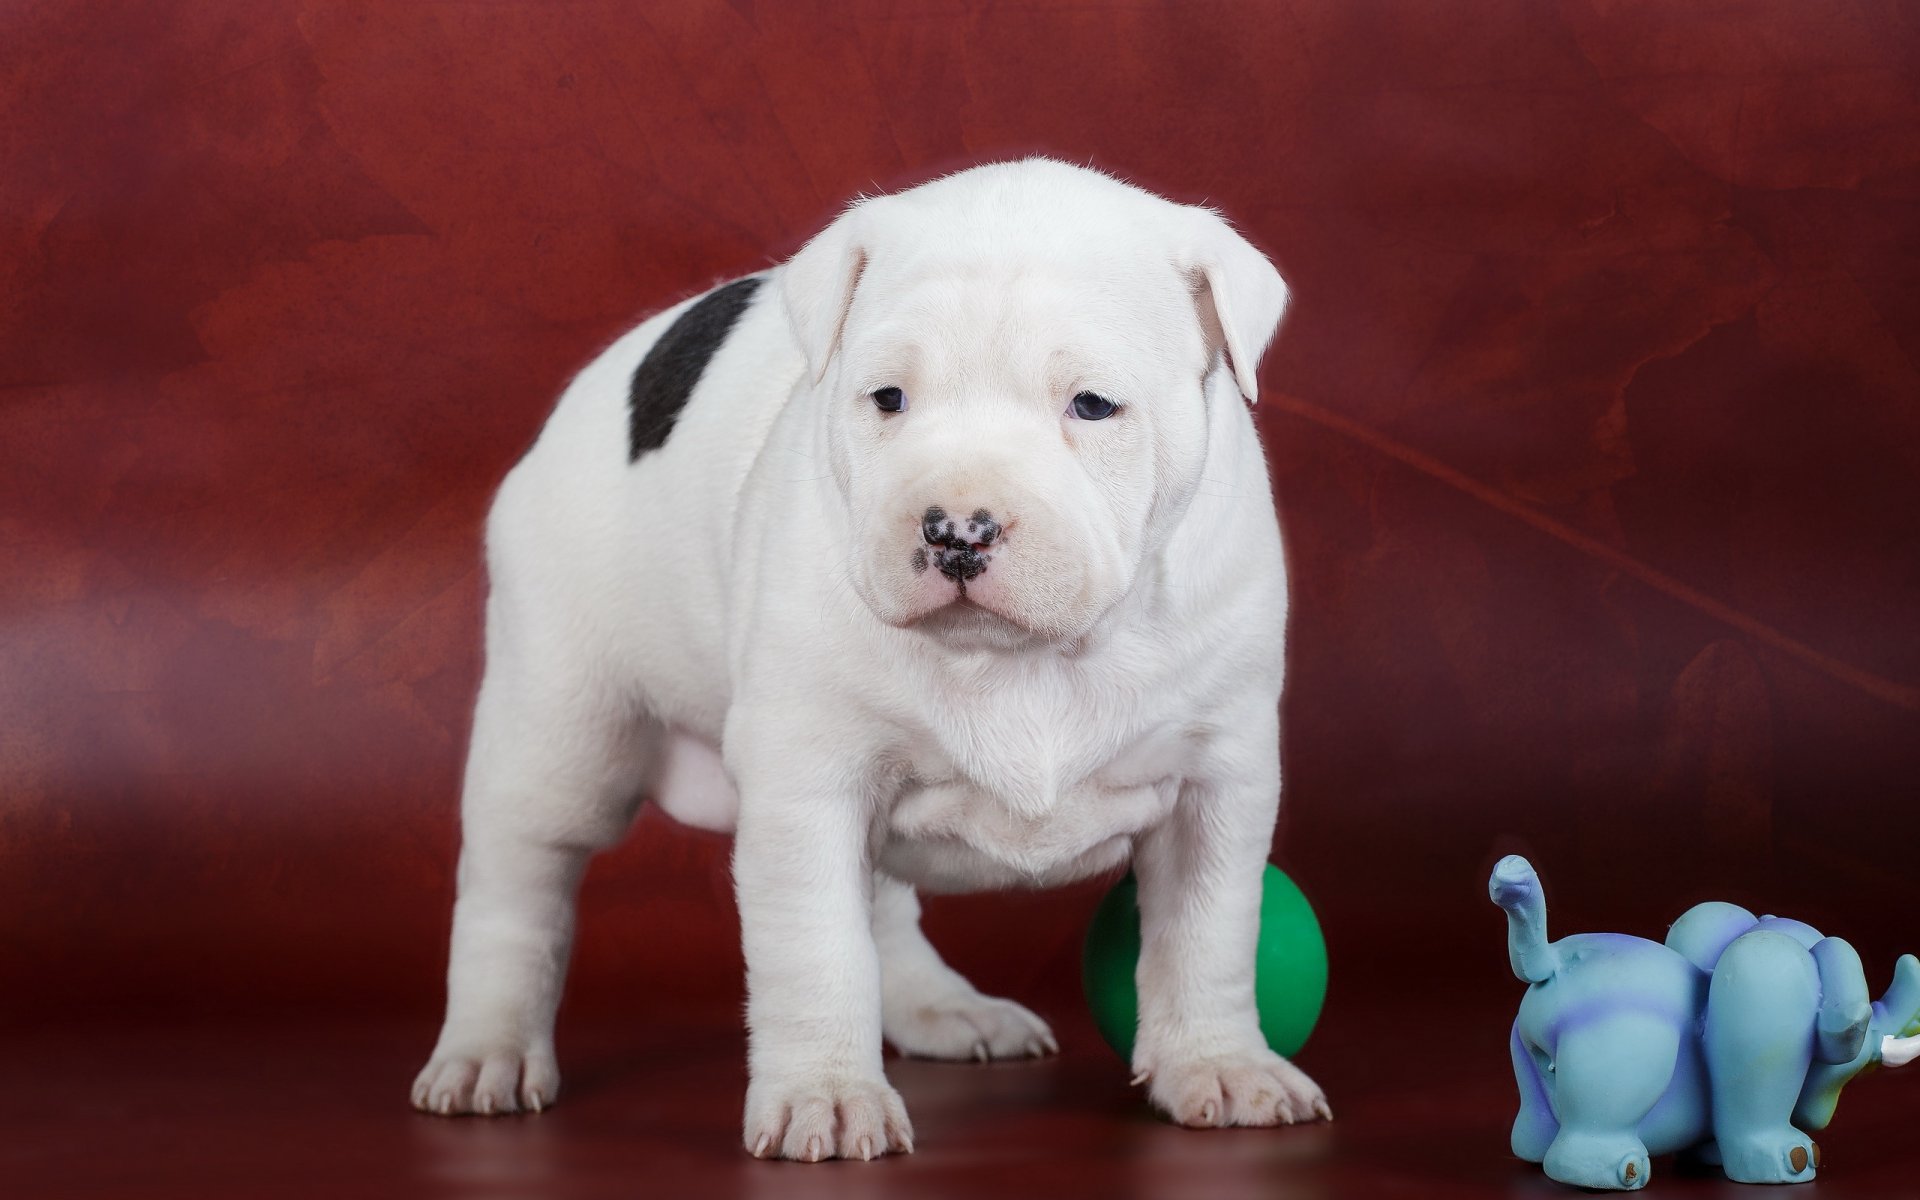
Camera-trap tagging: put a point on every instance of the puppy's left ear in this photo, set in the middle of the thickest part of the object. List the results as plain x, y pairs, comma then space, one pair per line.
1240, 294
818, 283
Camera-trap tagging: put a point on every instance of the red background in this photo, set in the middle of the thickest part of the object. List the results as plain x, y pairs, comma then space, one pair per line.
1595, 427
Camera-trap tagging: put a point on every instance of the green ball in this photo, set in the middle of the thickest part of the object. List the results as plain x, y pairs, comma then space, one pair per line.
1290, 970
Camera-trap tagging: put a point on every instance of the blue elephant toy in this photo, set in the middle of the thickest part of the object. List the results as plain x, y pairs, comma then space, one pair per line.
1729, 1043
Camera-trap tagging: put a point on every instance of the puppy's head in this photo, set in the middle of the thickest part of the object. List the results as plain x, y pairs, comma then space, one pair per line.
1013, 366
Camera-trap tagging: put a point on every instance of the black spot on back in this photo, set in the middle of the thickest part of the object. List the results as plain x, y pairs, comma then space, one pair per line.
667, 375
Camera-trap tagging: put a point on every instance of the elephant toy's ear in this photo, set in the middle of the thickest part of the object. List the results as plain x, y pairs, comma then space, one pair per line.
1846, 1014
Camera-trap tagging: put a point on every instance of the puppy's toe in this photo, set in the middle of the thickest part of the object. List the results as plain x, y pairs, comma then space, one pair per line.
1251, 1088
445, 1085
966, 1027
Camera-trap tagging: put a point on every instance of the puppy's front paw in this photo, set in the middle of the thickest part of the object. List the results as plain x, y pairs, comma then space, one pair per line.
808, 1118
1254, 1087
487, 1080
968, 1026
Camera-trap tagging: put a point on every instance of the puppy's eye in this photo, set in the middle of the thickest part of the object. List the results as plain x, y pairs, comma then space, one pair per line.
1089, 407
890, 399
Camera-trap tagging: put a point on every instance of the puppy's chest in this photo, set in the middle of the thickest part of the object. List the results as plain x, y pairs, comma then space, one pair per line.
1018, 802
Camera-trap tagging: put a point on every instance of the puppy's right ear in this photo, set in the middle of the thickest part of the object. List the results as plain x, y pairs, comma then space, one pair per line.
817, 285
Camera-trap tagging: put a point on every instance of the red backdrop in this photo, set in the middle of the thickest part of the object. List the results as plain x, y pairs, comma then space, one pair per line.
1594, 427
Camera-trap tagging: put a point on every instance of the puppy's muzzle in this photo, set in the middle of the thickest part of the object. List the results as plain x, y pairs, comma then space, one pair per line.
959, 549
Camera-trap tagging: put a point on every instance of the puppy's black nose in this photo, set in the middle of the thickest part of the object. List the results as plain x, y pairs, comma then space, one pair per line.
960, 547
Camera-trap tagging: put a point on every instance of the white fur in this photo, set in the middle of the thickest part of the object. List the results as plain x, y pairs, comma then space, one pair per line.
747, 595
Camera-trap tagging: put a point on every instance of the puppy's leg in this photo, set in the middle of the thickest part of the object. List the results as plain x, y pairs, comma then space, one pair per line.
1200, 875
929, 1010
805, 883
554, 773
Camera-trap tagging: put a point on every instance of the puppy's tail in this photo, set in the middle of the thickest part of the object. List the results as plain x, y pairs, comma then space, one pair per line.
1516, 888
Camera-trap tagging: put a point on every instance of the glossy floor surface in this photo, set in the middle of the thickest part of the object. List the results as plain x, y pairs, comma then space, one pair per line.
1422, 1096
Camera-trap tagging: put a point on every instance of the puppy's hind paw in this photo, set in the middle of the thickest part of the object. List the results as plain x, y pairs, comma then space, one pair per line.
969, 1027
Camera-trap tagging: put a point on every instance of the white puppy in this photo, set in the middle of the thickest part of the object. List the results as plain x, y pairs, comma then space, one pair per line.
941, 557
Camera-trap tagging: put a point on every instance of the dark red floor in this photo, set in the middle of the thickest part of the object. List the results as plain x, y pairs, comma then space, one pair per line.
1422, 1098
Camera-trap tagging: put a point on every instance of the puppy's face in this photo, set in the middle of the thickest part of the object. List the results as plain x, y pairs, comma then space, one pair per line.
1003, 437
1015, 406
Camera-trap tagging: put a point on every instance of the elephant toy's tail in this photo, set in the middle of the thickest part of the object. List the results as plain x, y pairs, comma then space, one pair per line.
1516, 888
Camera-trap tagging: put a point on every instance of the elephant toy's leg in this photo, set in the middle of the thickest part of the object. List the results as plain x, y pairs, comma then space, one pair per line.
1609, 1072
1535, 1127
1759, 1041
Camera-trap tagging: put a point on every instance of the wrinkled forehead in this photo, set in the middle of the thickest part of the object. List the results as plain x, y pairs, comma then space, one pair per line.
1118, 321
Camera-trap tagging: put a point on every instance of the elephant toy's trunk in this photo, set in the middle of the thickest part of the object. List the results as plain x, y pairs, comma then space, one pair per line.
1516, 888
